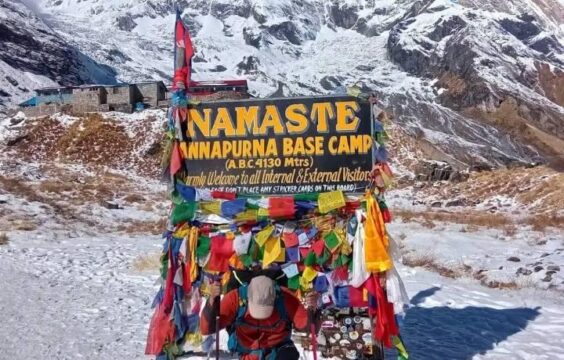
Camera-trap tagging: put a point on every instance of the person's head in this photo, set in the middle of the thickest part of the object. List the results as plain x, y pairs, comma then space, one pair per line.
261, 295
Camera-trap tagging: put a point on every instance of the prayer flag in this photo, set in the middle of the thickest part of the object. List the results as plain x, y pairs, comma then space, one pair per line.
330, 201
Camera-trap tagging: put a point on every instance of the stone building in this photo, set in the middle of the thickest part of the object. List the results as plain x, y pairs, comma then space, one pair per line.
120, 97
150, 93
89, 98
124, 97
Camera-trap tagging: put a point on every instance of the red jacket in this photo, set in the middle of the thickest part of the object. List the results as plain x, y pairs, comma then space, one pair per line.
272, 333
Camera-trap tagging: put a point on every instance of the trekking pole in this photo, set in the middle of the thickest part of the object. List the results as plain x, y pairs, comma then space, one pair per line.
312, 331
217, 309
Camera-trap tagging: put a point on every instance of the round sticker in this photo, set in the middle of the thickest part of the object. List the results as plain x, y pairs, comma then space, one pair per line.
345, 335
353, 335
337, 336
359, 346
332, 340
357, 319
344, 343
367, 338
348, 321
344, 329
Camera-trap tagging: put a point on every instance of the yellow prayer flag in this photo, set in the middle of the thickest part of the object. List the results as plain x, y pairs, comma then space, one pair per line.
330, 201
262, 212
346, 248
309, 274
263, 235
182, 232
305, 285
247, 215
211, 207
272, 250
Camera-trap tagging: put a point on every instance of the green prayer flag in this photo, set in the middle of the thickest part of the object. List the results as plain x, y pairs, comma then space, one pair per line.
332, 240
164, 265
310, 259
246, 259
306, 197
294, 282
340, 261
176, 198
324, 257
183, 212
203, 248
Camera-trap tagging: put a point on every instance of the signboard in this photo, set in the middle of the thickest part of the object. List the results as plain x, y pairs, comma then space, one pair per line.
280, 146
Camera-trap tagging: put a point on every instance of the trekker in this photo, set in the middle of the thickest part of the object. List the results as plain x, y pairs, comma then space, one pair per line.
259, 317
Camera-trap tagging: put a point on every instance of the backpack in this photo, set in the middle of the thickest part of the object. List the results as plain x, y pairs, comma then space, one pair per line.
233, 343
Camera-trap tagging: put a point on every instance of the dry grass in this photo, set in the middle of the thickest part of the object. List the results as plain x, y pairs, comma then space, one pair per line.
143, 227
428, 261
24, 225
56, 186
147, 262
541, 222
472, 219
4, 240
134, 198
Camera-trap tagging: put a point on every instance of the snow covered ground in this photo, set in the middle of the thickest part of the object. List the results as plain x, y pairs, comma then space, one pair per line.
75, 291
67, 294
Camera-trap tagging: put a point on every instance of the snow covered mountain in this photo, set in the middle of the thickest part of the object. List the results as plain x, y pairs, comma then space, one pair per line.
474, 81
33, 55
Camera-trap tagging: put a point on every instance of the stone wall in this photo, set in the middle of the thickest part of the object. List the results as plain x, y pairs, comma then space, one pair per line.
120, 94
150, 94
89, 97
42, 110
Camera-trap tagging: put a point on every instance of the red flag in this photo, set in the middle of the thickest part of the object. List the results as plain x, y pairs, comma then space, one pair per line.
183, 53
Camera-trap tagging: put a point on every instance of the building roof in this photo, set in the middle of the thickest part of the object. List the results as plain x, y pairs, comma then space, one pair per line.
219, 83
29, 102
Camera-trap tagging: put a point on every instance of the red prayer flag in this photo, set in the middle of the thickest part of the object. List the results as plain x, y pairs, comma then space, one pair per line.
221, 250
183, 53
225, 195
281, 207
341, 273
175, 159
318, 247
290, 239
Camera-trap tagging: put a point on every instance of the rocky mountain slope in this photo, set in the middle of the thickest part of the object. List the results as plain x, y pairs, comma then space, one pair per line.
474, 81
33, 55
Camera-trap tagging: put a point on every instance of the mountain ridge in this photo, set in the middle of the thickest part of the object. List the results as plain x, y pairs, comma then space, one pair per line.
478, 81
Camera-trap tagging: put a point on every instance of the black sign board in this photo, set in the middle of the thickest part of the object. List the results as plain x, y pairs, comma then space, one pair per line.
280, 146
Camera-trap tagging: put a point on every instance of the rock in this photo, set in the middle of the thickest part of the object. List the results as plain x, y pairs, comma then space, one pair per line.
16, 140
550, 272
436, 204
553, 268
547, 278
544, 255
457, 202
538, 268
218, 68
126, 22
111, 205
153, 149
250, 64
11, 80
3, 199
16, 120
513, 259
523, 271
286, 30
330, 82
